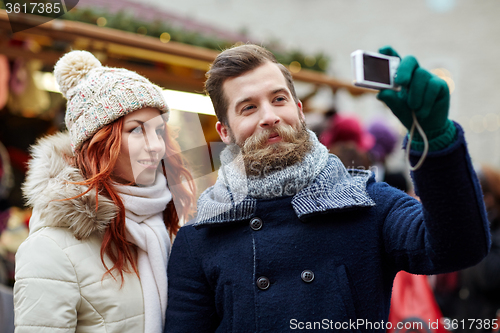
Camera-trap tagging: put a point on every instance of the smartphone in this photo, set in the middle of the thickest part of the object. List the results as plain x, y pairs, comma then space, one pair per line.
374, 70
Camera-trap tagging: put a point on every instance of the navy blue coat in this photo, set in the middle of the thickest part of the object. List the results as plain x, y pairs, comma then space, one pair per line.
351, 253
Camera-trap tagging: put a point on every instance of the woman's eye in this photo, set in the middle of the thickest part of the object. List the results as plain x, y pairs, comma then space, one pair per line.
280, 99
160, 131
137, 130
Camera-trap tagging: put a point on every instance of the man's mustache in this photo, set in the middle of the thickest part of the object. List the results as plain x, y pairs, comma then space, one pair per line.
259, 140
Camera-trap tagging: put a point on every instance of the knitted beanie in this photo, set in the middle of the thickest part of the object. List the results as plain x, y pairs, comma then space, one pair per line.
99, 95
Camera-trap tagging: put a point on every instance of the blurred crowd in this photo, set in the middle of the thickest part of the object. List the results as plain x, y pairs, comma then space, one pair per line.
366, 147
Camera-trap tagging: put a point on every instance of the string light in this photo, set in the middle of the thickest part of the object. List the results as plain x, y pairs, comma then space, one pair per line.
323, 64
445, 74
310, 61
476, 124
165, 37
101, 21
295, 67
490, 122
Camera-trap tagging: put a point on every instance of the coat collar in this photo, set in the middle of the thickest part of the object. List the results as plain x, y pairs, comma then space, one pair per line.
335, 188
49, 179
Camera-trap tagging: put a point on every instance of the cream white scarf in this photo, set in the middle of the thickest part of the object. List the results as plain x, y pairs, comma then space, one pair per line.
144, 208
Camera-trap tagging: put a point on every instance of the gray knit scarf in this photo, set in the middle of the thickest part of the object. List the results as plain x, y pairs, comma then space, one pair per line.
234, 194
271, 184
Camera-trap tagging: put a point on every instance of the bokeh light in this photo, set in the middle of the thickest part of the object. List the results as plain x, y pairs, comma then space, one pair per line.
490, 122
310, 61
445, 74
102, 21
476, 124
295, 67
165, 37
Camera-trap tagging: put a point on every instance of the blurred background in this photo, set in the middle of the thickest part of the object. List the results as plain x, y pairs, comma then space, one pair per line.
459, 36
173, 42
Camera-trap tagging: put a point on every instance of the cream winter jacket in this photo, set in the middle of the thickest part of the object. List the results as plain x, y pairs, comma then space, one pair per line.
60, 282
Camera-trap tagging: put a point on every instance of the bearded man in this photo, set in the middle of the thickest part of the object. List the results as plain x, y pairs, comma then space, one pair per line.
288, 239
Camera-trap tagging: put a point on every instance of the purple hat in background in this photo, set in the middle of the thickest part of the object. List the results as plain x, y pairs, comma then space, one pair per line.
385, 139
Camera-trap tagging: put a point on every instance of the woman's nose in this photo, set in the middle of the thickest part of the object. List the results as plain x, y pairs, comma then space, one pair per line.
154, 142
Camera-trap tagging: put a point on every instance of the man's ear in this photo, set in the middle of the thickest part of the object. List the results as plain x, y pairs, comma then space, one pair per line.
223, 132
301, 113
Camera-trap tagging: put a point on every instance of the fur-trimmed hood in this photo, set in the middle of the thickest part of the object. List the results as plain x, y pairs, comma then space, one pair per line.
49, 179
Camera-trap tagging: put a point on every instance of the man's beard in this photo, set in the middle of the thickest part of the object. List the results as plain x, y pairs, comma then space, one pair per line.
261, 158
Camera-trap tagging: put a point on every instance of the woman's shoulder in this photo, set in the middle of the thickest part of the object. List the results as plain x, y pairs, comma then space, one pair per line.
51, 181
55, 252
63, 237
49, 241
42, 255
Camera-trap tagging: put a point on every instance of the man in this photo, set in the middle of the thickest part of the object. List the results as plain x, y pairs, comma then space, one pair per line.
288, 239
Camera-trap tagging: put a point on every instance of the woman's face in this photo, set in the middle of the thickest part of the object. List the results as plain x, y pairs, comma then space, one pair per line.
143, 146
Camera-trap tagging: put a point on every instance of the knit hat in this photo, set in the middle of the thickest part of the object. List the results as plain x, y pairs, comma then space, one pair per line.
346, 128
99, 95
385, 139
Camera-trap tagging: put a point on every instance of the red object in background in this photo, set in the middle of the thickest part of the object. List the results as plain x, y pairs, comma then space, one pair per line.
413, 301
497, 329
4, 80
18, 159
347, 128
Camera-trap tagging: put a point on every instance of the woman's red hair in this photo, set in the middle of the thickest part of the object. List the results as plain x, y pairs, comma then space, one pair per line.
96, 160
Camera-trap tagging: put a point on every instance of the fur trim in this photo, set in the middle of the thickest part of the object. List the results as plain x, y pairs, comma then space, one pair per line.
48, 180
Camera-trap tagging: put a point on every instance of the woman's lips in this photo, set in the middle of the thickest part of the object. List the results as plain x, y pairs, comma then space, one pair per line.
149, 164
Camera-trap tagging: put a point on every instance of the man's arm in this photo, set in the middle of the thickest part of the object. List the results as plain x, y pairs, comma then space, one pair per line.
449, 229
191, 302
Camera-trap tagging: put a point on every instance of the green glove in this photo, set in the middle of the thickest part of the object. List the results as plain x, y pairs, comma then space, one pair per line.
425, 94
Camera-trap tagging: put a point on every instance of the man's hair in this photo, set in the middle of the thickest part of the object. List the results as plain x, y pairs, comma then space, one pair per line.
234, 62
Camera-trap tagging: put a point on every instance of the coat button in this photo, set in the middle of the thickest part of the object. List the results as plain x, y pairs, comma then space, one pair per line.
256, 223
263, 283
307, 276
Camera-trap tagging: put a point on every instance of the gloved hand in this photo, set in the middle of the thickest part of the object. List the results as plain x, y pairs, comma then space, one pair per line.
424, 93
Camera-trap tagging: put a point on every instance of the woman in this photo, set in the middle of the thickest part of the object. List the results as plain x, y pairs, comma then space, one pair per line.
103, 215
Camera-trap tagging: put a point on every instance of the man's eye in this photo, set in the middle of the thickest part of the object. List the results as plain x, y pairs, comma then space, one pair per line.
249, 107
280, 99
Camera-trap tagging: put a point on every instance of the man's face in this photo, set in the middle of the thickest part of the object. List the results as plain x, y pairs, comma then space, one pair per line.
258, 101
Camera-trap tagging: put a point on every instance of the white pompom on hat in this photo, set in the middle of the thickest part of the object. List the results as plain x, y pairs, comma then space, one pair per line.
73, 67
99, 95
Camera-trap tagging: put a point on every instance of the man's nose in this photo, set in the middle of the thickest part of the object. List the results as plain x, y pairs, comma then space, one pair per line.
269, 118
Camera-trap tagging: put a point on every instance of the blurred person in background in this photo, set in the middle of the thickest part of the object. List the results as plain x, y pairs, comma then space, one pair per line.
385, 141
103, 213
318, 122
6, 183
287, 237
346, 138
6, 298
